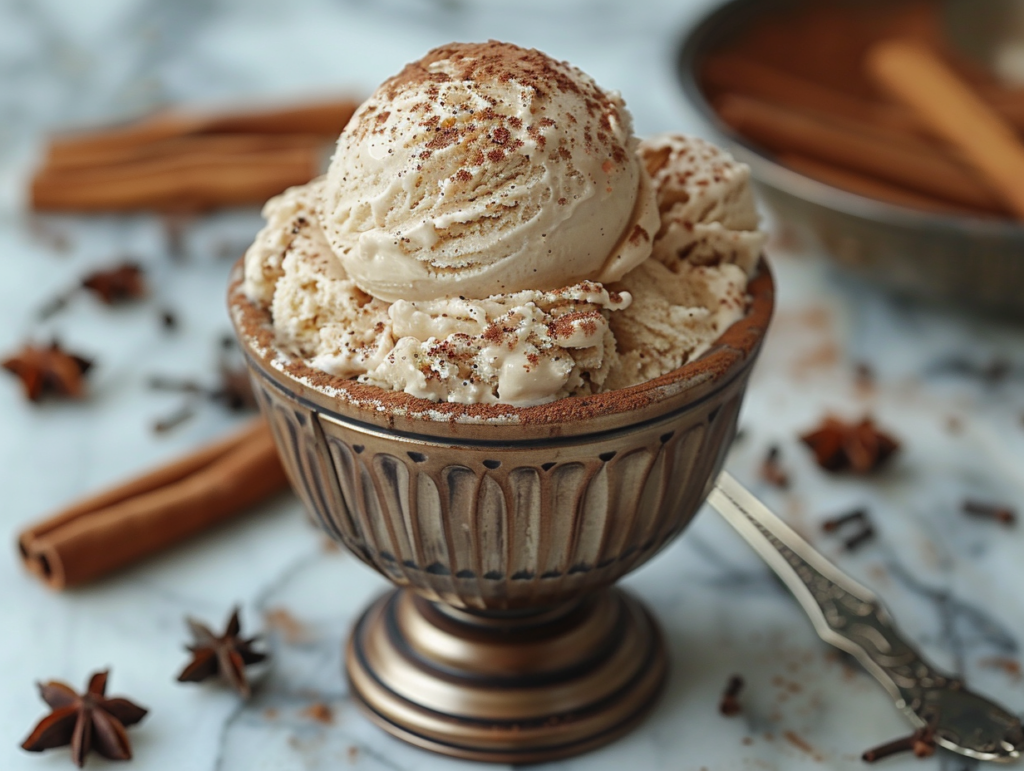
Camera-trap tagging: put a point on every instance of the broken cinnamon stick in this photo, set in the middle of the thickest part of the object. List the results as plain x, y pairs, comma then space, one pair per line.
787, 131
952, 110
146, 515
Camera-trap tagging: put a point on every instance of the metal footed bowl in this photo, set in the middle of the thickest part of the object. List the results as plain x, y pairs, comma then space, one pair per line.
504, 529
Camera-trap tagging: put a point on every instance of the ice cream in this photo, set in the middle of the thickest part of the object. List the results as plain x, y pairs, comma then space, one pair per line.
490, 230
485, 169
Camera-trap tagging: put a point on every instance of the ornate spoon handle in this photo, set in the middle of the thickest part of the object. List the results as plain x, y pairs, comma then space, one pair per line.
851, 618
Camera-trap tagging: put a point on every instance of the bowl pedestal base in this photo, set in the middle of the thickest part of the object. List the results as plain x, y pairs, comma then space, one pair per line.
509, 687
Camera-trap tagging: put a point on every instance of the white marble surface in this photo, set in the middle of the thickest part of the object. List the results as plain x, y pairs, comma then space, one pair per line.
953, 583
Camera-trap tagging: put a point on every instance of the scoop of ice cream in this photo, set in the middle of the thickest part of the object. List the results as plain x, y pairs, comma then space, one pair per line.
694, 286
484, 169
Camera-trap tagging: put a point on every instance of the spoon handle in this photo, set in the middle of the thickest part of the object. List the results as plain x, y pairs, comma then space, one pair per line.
848, 616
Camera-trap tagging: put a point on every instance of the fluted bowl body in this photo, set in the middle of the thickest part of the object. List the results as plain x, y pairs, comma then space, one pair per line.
492, 507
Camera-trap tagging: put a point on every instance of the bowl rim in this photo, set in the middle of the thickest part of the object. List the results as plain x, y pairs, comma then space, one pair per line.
731, 355
698, 41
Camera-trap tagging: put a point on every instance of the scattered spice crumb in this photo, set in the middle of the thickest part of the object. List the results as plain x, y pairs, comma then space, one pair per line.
1011, 667
954, 424
281, 620
175, 419
270, 713
319, 712
353, 753
772, 471
175, 228
801, 744
169, 320
983, 510
864, 378
747, 740
730, 704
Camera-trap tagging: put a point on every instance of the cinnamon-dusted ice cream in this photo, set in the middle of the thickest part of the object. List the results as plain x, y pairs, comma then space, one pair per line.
490, 230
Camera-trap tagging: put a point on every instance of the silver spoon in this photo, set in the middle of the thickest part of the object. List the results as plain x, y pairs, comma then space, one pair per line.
851, 618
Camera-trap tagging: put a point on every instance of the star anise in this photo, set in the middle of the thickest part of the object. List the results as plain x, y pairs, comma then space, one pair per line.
225, 656
87, 722
858, 447
52, 370
125, 282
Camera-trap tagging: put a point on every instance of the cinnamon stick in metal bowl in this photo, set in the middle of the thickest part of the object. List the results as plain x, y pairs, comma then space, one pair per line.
786, 86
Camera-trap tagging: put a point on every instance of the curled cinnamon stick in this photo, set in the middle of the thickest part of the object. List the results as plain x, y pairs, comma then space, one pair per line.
121, 525
951, 109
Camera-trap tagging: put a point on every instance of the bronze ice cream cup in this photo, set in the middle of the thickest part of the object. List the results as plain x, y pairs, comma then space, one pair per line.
504, 530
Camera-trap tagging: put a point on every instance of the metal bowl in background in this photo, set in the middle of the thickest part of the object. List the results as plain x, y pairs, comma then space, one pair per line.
962, 260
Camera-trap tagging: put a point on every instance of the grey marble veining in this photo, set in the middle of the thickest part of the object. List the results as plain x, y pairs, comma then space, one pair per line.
952, 582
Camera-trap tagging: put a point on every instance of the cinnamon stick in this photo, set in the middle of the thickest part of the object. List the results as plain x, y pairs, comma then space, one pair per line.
119, 526
325, 119
950, 108
732, 72
785, 130
870, 187
190, 145
192, 181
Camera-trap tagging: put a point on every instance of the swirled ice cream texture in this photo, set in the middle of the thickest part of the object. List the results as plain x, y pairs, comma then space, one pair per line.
573, 334
522, 348
485, 169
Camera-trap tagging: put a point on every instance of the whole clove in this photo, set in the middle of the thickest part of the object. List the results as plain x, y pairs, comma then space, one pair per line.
856, 541
921, 743
833, 524
730, 704
864, 532
983, 510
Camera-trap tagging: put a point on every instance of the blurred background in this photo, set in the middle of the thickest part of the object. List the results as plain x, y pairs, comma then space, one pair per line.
902, 306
